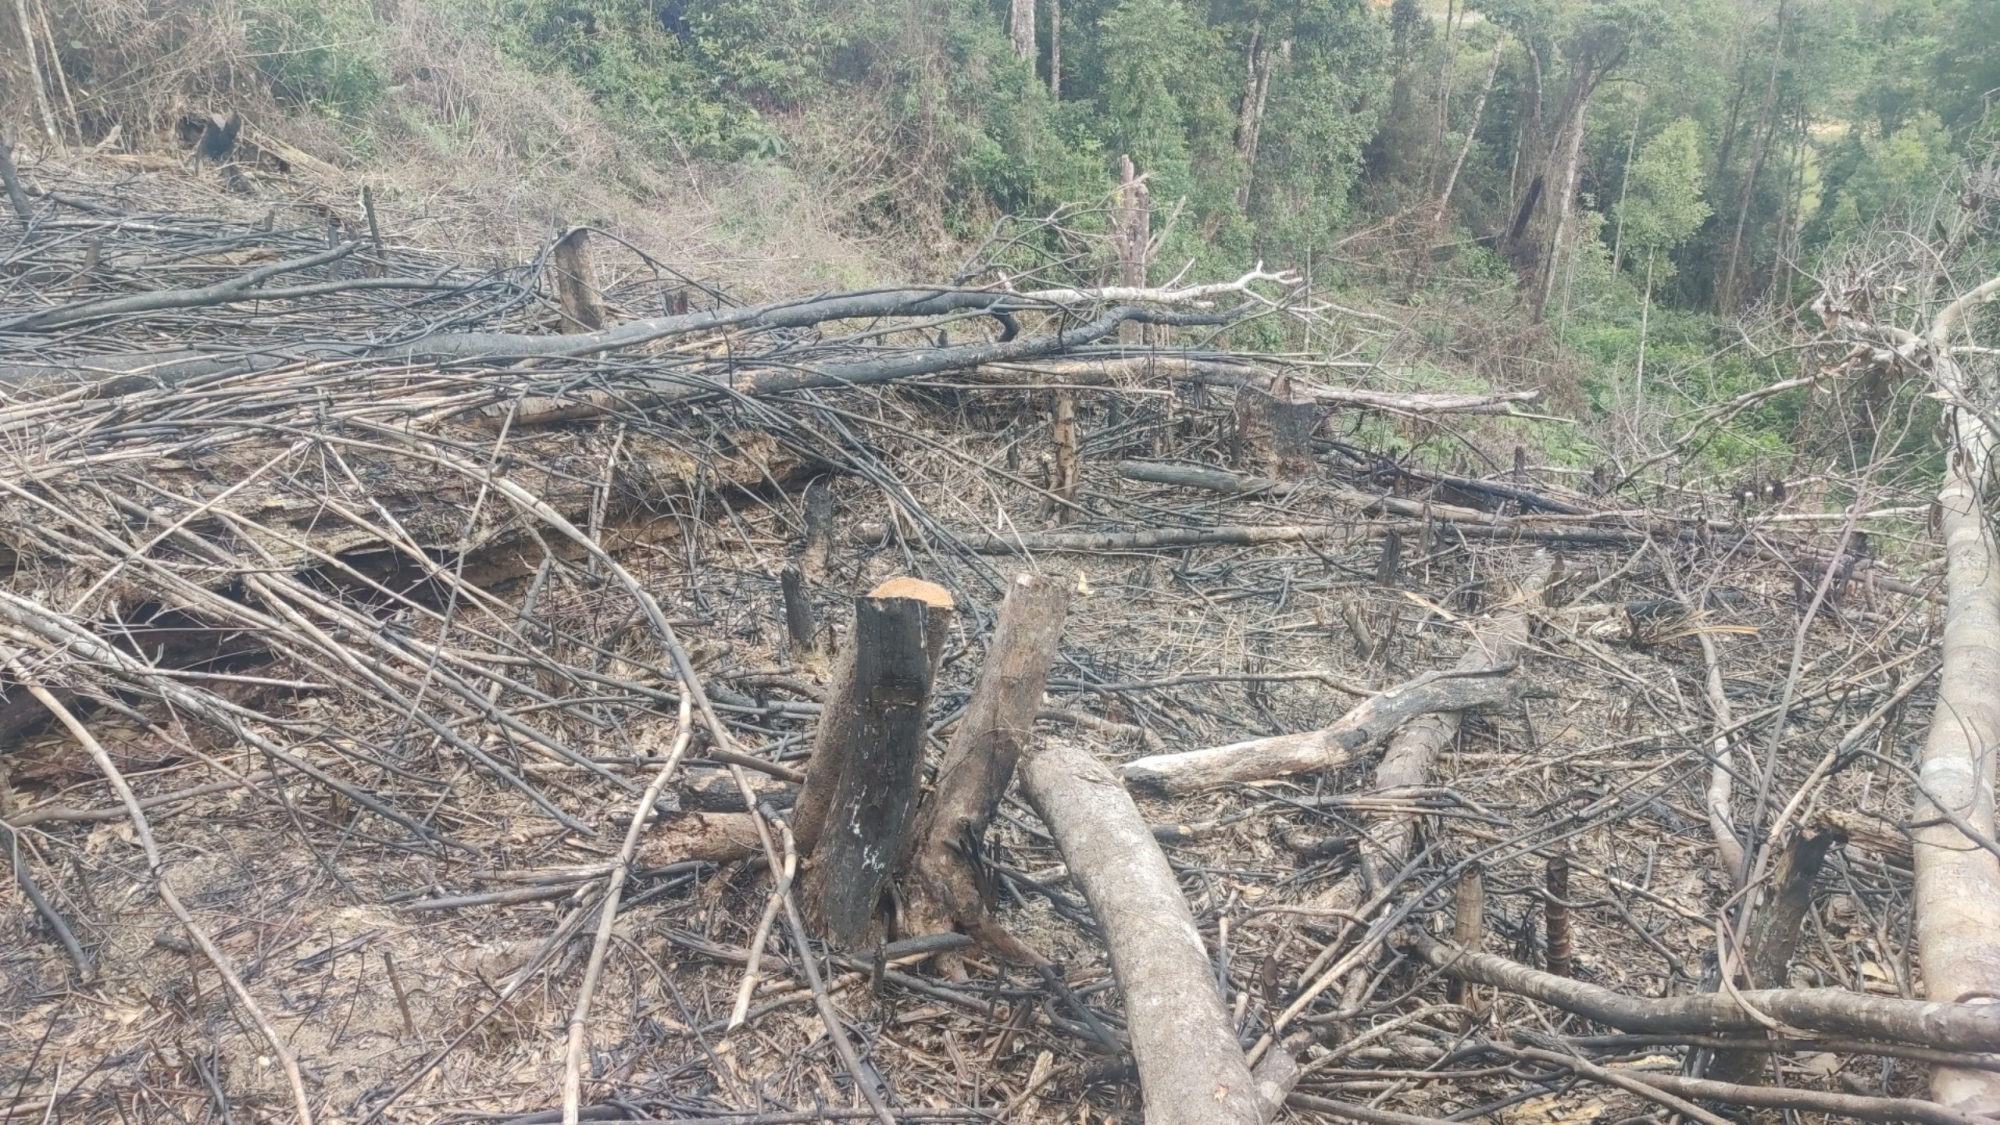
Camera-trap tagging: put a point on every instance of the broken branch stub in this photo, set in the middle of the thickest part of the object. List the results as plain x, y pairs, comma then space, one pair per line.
979, 763
1261, 759
1191, 1068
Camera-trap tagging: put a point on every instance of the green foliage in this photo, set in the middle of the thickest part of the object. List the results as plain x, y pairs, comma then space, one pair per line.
324, 55
644, 77
1896, 179
1662, 204
1151, 49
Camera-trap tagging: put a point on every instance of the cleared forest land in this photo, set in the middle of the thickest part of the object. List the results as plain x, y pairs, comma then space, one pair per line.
438, 692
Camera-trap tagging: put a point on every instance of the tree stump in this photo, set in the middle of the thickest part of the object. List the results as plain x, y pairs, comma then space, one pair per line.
1273, 435
570, 262
979, 764
868, 753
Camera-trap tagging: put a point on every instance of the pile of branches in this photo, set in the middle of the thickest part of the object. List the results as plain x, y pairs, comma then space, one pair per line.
420, 538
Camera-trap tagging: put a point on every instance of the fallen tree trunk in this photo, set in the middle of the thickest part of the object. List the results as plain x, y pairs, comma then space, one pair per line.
1261, 759
1191, 1068
1496, 643
1952, 1027
1957, 881
1215, 371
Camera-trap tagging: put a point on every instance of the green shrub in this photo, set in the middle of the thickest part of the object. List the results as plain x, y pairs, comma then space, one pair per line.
324, 55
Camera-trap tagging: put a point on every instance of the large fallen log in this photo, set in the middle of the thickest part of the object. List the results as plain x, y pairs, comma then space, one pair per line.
1261, 759
1951, 1027
1958, 881
1212, 370
1191, 1068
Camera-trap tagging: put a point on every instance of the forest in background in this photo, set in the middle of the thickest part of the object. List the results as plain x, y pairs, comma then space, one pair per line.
1574, 192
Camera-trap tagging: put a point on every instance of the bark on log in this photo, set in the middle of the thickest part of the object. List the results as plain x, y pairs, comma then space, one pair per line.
1261, 759
1191, 1068
1773, 935
1973, 1028
979, 763
1210, 371
875, 792
835, 735
1958, 882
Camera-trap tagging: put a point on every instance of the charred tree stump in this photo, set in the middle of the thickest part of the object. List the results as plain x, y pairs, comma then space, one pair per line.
1772, 936
1468, 923
10, 178
876, 791
799, 624
582, 311
1191, 1068
946, 888
1555, 917
819, 528
1273, 435
1067, 474
839, 723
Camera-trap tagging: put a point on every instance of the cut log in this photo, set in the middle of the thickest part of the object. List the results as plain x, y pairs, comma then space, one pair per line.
1262, 759
1972, 1028
874, 794
979, 764
1191, 1068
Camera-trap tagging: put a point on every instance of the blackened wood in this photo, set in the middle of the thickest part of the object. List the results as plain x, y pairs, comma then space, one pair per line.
1556, 915
819, 527
875, 800
1274, 435
798, 610
1772, 936
979, 764
835, 735
11, 178
1390, 565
